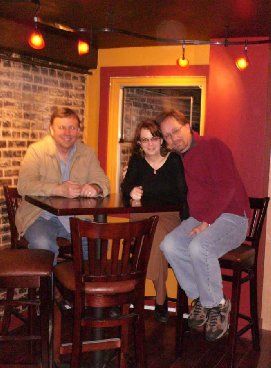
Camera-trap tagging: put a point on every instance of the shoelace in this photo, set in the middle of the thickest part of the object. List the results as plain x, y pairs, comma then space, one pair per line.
213, 315
197, 307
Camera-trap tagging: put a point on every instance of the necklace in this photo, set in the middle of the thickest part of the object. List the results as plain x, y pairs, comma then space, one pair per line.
157, 164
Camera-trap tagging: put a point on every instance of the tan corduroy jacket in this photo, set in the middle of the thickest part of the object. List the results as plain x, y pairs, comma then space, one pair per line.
40, 173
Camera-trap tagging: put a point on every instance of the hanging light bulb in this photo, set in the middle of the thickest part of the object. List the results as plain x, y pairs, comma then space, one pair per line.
36, 40
83, 47
242, 62
183, 62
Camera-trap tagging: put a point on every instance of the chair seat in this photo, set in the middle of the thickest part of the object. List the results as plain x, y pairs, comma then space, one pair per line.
30, 262
242, 256
64, 273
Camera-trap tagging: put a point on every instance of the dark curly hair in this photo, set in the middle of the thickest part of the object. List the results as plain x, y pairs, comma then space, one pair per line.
155, 131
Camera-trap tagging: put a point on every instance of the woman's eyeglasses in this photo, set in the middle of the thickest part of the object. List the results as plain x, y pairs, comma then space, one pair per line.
147, 140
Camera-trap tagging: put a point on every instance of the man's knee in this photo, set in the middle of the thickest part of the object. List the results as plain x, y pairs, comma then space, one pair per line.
196, 249
168, 245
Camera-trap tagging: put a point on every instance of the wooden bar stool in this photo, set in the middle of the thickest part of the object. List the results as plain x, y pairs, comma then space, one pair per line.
242, 263
31, 269
13, 199
113, 275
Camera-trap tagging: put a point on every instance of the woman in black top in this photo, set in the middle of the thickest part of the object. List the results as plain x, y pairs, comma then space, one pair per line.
155, 174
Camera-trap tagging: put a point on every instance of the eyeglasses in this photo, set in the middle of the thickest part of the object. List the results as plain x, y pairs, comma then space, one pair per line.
69, 128
173, 133
147, 140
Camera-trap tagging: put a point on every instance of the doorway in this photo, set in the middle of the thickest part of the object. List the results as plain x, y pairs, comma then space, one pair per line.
135, 99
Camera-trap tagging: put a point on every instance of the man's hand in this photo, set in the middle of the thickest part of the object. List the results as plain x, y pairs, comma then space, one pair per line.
90, 190
198, 229
136, 193
68, 189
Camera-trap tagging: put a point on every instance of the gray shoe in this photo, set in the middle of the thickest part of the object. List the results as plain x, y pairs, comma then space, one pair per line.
218, 321
198, 314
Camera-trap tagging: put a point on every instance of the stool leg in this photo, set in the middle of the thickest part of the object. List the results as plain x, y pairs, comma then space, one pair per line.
235, 302
45, 317
254, 312
124, 339
7, 312
32, 318
140, 332
181, 323
77, 335
57, 331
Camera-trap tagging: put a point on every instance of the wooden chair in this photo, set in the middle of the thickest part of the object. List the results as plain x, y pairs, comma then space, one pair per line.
13, 199
242, 262
32, 269
113, 275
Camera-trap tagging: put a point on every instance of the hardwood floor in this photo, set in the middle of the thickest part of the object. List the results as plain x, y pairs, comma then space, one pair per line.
160, 340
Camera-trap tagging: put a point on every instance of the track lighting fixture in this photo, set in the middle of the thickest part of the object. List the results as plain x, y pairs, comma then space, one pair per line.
36, 40
242, 62
183, 62
83, 47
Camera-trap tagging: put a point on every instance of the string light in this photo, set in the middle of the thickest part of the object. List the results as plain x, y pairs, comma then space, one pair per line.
183, 62
242, 62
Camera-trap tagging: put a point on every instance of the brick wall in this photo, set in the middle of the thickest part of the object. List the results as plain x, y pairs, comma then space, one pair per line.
28, 95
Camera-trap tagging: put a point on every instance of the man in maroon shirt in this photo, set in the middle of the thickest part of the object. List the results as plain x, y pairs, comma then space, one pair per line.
218, 206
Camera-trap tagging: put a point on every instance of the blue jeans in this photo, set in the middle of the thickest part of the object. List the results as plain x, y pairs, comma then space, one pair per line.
194, 259
42, 234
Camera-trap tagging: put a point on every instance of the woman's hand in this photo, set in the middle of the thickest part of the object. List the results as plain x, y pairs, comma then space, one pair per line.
136, 193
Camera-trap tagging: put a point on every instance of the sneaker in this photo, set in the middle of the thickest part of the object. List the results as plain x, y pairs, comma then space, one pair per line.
161, 312
218, 321
198, 314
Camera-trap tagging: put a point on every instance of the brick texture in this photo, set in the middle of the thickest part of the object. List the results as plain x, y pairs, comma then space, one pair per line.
28, 95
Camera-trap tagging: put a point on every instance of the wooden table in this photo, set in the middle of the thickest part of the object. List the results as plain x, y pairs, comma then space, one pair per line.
112, 204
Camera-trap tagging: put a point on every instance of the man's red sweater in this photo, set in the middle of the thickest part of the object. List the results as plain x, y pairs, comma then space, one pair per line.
214, 185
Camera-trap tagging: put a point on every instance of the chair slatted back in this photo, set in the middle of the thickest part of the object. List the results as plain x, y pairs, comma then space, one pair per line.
13, 199
259, 209
116, 251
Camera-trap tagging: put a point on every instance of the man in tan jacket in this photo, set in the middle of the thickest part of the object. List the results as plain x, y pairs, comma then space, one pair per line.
58, 165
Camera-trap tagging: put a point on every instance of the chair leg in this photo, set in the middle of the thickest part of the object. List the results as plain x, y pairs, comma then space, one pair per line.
254, 312
7, 312
235, 302
181, 323
45, 318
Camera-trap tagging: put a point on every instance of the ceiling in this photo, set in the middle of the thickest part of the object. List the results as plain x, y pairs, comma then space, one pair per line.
173, 20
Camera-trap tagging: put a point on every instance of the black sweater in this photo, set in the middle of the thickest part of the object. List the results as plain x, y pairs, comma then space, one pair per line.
167, 185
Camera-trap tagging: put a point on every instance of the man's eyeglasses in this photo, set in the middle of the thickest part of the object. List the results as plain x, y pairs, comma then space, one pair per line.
69, 128
173, 133
152, 139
